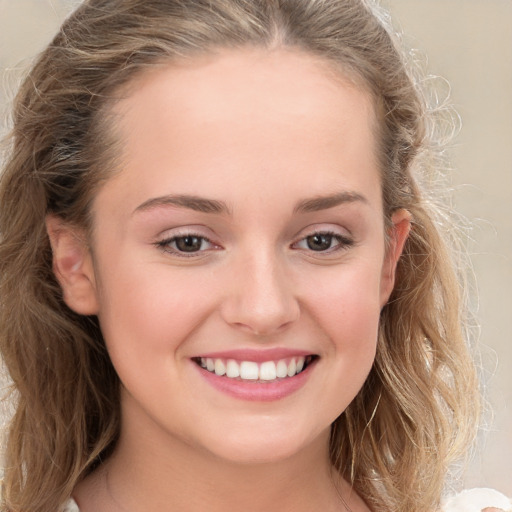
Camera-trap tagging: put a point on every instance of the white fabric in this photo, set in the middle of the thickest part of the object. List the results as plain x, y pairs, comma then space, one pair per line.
71, 506
476, 500
472, 500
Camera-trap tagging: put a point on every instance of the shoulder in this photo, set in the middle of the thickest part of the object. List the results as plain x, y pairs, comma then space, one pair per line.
476, 500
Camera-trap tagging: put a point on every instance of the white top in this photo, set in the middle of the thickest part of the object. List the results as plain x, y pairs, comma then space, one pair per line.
476, 500
473, 500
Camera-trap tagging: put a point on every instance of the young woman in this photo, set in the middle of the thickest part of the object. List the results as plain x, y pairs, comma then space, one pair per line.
221, 283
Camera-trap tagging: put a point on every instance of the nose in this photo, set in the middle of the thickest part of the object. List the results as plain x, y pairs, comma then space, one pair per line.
261, 298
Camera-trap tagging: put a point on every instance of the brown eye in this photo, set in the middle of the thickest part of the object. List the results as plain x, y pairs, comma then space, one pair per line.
189, 243
324, 242
319, 241
186, 245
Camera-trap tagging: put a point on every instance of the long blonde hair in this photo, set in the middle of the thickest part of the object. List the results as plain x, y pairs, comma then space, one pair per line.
417, 410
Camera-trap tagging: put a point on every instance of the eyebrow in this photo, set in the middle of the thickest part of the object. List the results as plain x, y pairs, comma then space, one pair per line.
325, 202
203, 205
198, 204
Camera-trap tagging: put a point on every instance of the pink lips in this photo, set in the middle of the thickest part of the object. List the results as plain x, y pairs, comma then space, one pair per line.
256, 390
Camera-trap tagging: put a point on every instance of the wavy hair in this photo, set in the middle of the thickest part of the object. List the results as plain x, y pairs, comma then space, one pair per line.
416, 412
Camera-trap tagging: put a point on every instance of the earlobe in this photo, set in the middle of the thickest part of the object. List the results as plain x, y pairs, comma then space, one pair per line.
398, 233
72, 266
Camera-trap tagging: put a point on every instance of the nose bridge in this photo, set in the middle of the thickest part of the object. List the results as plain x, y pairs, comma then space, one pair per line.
261, 297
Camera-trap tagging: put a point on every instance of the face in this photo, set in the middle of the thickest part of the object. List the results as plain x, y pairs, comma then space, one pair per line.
238, 257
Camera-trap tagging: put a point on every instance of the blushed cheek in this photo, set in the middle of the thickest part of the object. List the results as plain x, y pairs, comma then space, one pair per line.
143, 309
350, 322
350, 305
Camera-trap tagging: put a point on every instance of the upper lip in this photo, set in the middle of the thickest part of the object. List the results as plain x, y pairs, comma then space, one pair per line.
256, 355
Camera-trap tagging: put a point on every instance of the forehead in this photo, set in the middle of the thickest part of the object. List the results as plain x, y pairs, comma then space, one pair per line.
246, 80
241, 116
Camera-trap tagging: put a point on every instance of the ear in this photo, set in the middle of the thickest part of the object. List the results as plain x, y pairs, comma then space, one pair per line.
72, 266
398, 233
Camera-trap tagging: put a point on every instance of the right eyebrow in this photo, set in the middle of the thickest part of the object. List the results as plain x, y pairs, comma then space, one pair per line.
191, 202
319, 203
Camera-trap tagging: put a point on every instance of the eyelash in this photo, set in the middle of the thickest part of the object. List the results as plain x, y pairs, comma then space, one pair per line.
165, 244
343, 243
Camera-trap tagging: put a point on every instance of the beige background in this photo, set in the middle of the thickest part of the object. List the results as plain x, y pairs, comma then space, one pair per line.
469, 42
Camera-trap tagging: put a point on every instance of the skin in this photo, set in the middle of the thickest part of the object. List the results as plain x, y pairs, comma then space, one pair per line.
262, 132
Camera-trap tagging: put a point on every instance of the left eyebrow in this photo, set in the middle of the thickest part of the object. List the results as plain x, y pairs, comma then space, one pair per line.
325, 202
198, 204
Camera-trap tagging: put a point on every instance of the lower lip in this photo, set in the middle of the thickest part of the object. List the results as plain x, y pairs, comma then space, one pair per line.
257, 390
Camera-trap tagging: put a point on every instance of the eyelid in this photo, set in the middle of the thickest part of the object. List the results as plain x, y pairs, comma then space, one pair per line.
345, 241
164, 241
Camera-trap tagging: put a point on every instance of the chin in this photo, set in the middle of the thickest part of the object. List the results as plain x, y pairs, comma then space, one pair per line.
266, 445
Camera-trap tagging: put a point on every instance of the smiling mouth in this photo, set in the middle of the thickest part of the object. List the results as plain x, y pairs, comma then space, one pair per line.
267, 371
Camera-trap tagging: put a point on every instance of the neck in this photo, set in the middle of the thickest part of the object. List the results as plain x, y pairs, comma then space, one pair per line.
154, 470
181, 477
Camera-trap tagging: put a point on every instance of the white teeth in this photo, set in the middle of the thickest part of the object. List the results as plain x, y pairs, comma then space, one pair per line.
250, 370
268, 370
292, 368
282, 369
220, 368
232, 369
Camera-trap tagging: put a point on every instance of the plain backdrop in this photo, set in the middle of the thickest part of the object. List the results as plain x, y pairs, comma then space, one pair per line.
468, 42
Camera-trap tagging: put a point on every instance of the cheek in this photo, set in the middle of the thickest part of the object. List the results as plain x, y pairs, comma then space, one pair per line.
345, 307
148, 311
346, 304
